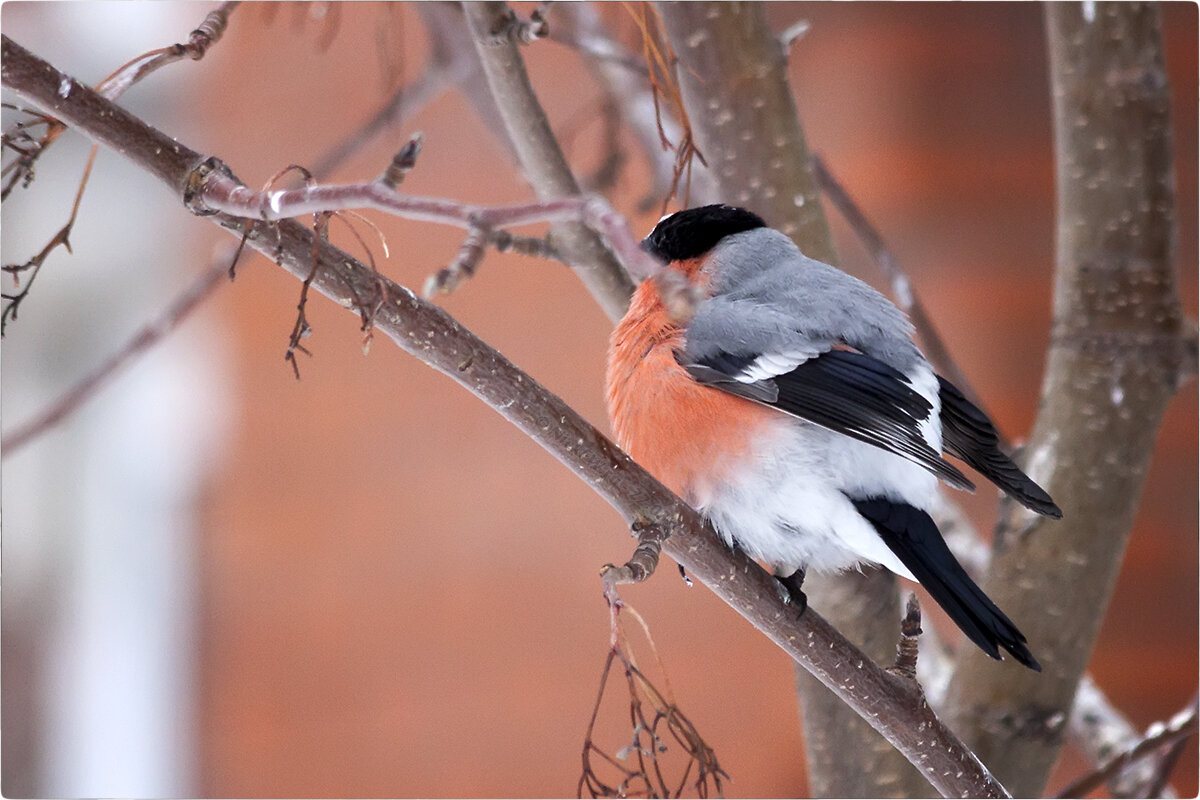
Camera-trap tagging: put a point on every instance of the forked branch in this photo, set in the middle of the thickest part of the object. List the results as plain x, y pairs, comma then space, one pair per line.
892, 705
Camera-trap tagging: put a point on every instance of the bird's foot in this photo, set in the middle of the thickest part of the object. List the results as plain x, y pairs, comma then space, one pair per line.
795, 596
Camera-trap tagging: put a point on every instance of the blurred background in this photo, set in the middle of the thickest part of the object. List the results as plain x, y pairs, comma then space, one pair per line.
221, 581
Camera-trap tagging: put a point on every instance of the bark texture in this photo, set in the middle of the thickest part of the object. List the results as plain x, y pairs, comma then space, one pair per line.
733, 77
1116, 357
541, 159
732, 73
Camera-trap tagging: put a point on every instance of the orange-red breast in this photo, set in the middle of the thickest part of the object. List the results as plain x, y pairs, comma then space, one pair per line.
795, 412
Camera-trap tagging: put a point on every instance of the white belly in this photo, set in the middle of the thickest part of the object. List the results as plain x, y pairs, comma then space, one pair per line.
788, 504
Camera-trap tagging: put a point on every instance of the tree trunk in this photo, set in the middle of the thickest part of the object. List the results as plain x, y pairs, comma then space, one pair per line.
1114, 363
732, 73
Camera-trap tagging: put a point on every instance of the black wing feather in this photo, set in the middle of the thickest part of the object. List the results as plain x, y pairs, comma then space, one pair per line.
912, 535
846, 392
969, 435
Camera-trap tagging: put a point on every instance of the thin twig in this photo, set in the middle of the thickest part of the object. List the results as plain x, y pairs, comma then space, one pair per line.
27, 148
463, 267
149, 335
639, 764
1166, 763
301, 329
1100, 731
535, 246
404, 104
1181, 726
34, 265
902, 288
206, 34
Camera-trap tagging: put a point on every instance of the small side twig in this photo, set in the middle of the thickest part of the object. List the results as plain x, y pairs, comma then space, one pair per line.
301, 329
535, 246
34, 265
1181, 726
512, 28
642, 563
906, 650
206, 34
473, 249
179, 309
793, 33
463, 267
404, 160
27, 148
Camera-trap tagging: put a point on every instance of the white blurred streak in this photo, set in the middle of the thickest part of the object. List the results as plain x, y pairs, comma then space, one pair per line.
100, 534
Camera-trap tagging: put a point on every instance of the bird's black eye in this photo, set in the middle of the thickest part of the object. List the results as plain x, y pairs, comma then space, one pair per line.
692, 233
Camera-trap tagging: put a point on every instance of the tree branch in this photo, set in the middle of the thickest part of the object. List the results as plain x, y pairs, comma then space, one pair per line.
1179, 727
892, 705
145, 338
541, 159
1115, 355
607, 60
1101, 732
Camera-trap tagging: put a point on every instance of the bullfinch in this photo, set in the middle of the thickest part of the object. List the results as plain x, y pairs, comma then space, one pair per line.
794, 411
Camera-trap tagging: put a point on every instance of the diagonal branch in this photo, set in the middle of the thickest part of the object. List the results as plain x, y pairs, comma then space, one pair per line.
149, 335
892, 705
206, 34
451, 63
1160, 735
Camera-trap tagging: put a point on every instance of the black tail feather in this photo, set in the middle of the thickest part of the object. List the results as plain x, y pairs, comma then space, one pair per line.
912, 535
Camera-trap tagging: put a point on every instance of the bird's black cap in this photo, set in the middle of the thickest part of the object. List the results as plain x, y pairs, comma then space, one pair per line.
692, 233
